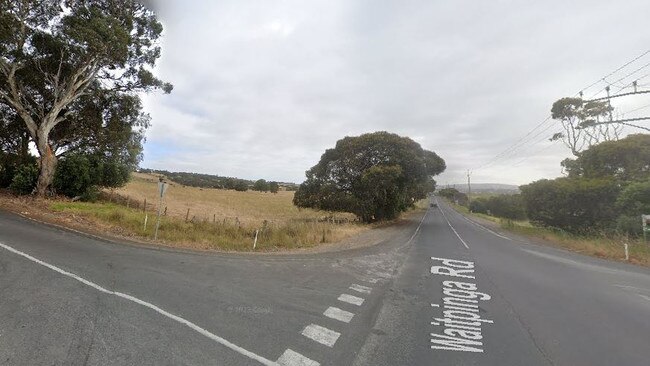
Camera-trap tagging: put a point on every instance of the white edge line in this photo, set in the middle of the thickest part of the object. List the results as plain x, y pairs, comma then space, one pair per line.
484, 228
418, 228
177, 318
452, 228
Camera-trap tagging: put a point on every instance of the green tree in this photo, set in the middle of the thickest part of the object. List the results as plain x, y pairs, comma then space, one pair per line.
577, 205
625, 160
274, 187
580, 121
454, 195
375, 176
507, 206
633, 202
261, 185
59, 57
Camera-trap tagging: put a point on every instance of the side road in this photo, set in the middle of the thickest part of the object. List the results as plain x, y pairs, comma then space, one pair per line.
84, 301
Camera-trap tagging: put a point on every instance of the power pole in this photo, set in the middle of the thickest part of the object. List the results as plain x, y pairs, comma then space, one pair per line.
469, 188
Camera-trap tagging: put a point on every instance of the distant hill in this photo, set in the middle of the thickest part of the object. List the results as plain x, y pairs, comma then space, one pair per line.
212, 181
486, 188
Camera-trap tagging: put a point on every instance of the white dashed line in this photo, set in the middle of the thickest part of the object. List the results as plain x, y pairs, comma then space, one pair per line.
321, 335
153, 307
338, 314
292, 358
362, 289
351, 299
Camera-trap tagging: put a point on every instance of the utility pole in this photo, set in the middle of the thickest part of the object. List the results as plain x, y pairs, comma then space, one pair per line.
469, 188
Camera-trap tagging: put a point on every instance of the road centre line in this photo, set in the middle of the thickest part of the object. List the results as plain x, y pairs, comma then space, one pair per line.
338, 314
321, 335
133, 299
293, 358
359, 288
452, 228
351, 299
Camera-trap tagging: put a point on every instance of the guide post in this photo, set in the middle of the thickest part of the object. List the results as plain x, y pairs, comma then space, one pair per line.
162, 188
645, 219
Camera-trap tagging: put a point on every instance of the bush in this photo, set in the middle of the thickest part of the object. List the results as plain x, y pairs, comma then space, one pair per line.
73, 176
454, 195
24, 179
478, 206
577, 205
634, 200
629, 225
507, 206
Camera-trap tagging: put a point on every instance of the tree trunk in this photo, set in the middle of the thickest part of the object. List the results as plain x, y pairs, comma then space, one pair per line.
47, 165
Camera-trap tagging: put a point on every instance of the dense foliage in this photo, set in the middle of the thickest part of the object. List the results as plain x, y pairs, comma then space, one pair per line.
583, 205
607, 190
70, 74
375, 176
504, 206
454, 195
216, 181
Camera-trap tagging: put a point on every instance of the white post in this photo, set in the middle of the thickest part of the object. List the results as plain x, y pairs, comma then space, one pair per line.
162, 187
146, 216
255, 241
627, 253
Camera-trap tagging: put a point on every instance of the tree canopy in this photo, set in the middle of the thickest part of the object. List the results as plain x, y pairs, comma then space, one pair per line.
70, 72
375, 176
627, 159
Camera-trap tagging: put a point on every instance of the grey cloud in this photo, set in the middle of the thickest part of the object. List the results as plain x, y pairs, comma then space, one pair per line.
262, 88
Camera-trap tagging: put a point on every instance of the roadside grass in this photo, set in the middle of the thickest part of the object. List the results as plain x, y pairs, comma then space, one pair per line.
601, 246
217, 219
208, 234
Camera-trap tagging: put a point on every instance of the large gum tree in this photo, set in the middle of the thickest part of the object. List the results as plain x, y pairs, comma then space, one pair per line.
53, 54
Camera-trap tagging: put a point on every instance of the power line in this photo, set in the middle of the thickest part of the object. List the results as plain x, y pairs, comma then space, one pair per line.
623, 78
507, 153
617, 70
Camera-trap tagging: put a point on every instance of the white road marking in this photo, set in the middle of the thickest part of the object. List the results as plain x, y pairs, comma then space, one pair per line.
321, 335
484, 228
359, 288
417, 230
351, 299
338, 314
372, 280
452, 228
292, 358
177, 318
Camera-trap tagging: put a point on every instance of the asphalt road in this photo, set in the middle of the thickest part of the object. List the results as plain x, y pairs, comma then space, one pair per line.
442, 290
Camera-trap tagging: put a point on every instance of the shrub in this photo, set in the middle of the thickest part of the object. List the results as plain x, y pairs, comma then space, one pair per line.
73, 176
577, 205
478, 206
24, 179
629, 225
507, 206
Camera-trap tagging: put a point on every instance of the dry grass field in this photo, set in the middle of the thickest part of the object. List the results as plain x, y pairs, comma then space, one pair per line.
217, 219
250, 207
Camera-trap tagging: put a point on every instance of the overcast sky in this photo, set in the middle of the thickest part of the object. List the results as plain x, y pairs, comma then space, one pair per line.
262, 88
